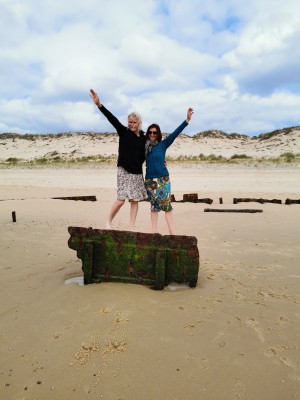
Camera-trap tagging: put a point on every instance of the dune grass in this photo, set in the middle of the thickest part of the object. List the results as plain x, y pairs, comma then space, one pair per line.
287, 157
61, 160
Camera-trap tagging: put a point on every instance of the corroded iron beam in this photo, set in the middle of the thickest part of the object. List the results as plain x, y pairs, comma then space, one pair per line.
238, 210
205, 200
135, 257
261, 201
191, 198
76, 198
290, 201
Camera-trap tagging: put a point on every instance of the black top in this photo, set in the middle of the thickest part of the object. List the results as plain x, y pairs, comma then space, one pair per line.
131, 147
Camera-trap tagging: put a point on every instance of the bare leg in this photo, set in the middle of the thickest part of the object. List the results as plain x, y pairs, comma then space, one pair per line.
154, 217
169, 219
134, 206
113, 212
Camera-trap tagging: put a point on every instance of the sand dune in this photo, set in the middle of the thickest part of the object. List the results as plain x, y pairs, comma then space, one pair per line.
74, 145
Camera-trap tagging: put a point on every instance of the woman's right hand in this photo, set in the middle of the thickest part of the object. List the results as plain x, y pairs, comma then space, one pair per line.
95, 98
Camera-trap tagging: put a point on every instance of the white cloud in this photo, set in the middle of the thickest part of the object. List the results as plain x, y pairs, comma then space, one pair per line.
236, 65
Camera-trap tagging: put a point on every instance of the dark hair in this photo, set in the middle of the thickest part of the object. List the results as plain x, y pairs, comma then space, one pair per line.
158, 136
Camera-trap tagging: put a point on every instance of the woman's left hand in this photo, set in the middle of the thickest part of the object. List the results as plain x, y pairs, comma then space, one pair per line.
189, 114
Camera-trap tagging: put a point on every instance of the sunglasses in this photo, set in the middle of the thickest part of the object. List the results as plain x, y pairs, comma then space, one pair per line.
152, 132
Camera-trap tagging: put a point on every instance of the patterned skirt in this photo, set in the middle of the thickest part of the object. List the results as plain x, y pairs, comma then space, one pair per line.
130, 186
159, 193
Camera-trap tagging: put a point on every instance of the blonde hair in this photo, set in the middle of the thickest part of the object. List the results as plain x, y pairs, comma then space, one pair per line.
139, 118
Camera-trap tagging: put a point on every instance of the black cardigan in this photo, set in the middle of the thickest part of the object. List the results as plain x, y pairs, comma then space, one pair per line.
131, 147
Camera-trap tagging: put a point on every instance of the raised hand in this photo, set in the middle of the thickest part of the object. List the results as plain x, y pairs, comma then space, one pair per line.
189, 114
95, 98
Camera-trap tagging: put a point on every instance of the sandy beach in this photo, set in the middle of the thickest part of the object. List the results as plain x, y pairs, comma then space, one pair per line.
235, 336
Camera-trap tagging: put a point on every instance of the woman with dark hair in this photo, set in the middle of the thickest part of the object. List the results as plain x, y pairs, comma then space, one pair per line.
157, 180
131, 155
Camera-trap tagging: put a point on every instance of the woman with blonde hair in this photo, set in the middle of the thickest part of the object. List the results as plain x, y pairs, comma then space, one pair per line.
131, 155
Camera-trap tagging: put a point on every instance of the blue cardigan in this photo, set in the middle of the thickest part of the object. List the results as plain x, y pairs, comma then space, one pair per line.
155, 161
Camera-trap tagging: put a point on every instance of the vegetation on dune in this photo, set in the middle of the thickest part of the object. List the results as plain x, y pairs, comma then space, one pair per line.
56, 159
41, 136
289, 157
269, 135
238, 158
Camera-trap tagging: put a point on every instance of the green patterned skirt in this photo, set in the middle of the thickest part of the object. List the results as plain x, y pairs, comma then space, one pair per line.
159, 193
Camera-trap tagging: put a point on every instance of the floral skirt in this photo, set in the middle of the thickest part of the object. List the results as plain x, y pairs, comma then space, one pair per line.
130, 186
159, 193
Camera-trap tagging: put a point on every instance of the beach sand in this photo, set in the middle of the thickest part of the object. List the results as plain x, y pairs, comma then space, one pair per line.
235, 336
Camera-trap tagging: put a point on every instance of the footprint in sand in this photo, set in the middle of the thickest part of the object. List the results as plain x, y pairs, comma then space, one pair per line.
85, 352
240, 390
105, 310
287, 362
283, 319
121, 319
273, 353
253, 324
116, 346
238, 295
57, 335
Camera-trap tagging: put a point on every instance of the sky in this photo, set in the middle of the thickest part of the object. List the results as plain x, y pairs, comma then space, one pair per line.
236, 62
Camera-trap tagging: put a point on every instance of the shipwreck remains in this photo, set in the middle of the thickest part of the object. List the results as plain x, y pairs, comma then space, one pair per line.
191, 198
76, 198
135, 257
261, 201
290, 201
233, 210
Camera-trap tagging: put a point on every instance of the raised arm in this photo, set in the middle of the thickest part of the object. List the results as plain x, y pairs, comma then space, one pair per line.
110, 117
170, 139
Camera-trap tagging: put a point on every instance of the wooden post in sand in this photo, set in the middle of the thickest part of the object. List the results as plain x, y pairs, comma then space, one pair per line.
14, 218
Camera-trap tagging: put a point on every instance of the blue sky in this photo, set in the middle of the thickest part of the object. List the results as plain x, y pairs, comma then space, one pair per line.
237, 63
